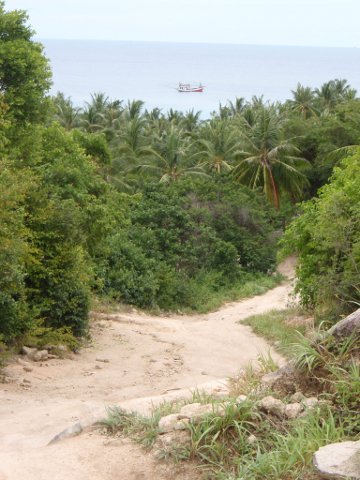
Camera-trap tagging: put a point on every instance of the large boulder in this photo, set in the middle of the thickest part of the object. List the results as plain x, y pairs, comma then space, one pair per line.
339, 460
348, 326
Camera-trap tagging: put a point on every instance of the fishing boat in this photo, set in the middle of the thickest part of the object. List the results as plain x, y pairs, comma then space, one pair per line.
188, 87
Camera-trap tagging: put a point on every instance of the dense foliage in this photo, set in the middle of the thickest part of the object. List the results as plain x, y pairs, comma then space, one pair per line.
326, 238
188, 233
162, 209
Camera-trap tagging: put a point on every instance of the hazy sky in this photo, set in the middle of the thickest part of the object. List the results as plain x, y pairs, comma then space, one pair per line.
264, 22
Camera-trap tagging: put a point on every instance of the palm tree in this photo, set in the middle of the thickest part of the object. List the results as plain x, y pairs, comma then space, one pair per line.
170, 158
190, 121
303, 101
65, 112
236, 107
268, 161
334, 92
217, 146
134, 109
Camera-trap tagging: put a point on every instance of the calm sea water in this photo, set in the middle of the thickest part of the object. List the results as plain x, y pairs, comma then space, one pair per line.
150, 71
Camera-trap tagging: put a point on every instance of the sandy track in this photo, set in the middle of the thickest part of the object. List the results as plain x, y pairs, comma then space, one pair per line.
144, 356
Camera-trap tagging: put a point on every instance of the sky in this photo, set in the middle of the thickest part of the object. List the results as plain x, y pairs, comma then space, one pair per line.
327, 23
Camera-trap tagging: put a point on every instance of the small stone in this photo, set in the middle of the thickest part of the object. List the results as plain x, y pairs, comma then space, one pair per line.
72, 431
40, 356
103, 360
297, 397
272, 405
339, 460
204, 373
241, 398
251, 439
167, 424
28, 351
26, 381
52, 357
220, 391
310, 403
98, 367
28, 368
293, 410
20, 361
61, 348
179, 438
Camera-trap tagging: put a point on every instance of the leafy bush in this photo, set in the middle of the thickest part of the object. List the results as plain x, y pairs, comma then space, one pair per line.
326, 238
189, 246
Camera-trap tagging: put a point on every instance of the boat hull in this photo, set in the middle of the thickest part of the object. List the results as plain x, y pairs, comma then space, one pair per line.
188, 88
191, 90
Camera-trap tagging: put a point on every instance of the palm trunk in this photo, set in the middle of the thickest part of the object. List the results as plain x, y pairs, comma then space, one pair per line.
274, 189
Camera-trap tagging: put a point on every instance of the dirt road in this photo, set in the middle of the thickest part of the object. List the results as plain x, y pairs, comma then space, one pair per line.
132, 356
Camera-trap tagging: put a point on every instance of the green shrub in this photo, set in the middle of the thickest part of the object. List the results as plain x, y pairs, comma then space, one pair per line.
326, 238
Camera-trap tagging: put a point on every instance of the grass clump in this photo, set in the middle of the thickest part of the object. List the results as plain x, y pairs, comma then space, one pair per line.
288, 454
140, 428
278, 327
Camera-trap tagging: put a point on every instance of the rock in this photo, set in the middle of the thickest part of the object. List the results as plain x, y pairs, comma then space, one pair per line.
61, 348
220, 391
297, 397
187, 410
167, 424
26, 381
40, 356
272, 405
28, 351
270, 378
103, 360
172, 440
283, 378
293, 410
251, 439
27, 368
311, 403
72, 431
20, 361
241, 398
348, 326
339, 460
182, 424
196, 411
52, 357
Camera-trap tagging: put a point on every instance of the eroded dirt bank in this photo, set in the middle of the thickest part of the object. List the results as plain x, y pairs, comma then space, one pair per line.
133, 355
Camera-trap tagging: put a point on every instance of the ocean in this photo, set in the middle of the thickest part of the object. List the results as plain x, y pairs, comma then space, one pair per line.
151, 71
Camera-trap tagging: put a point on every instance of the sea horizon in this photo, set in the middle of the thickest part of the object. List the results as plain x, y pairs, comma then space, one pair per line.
150, 71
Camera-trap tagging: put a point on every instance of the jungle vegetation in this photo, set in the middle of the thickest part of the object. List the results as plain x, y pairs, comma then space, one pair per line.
165, 209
